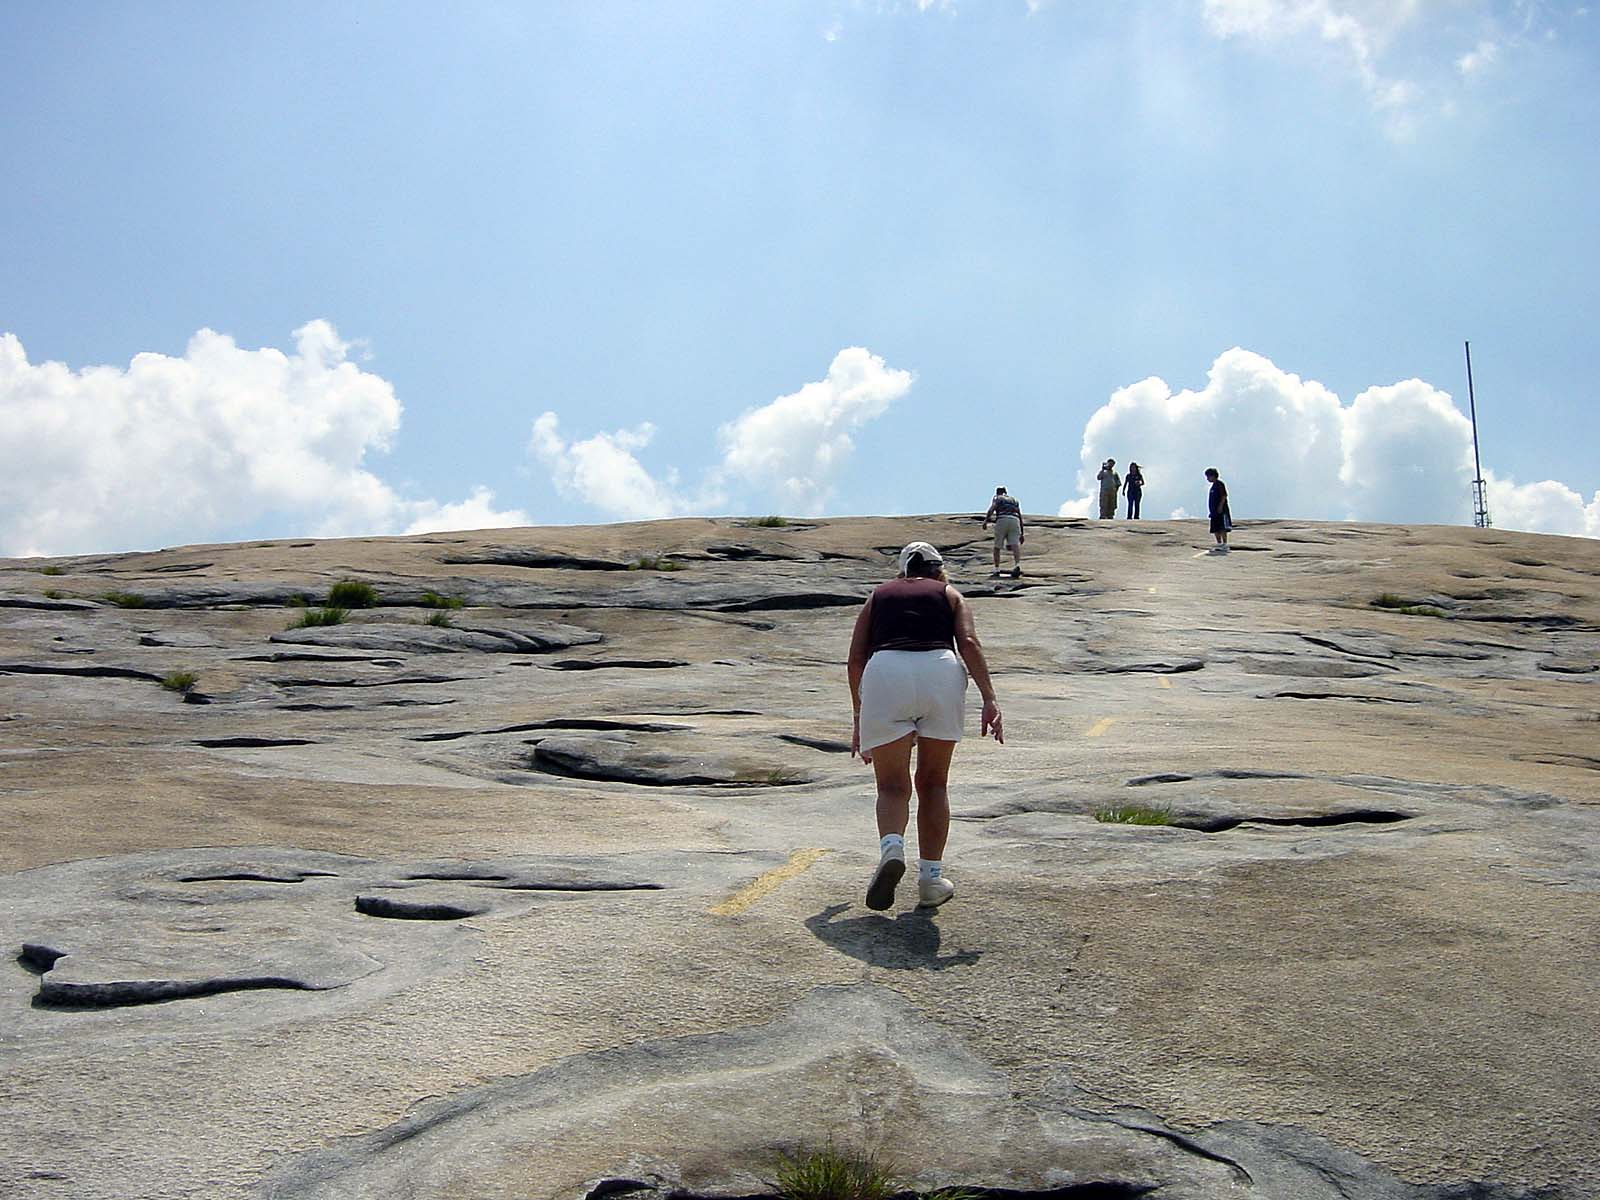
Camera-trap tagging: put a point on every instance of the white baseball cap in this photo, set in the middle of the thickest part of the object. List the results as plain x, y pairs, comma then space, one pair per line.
920, 550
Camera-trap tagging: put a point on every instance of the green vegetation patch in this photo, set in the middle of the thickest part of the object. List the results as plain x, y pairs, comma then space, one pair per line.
53, 594
1133, 814
773, 522
125, 599
52, 569
439, 620
352, 593
179, 681
834, 1175
654, 562
435, 600
313, 617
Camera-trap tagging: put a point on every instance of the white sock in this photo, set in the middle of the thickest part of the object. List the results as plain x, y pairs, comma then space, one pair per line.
891, 845
929, 869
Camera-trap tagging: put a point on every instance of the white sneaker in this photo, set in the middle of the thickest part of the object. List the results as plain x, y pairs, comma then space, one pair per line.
933, 892
880, 892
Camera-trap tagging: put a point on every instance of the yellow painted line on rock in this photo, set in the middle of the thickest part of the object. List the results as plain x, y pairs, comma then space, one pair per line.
737, 903
1165, 682
1101, 726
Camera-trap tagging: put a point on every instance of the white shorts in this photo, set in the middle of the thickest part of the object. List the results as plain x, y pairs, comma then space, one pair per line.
912, 691
1007, 533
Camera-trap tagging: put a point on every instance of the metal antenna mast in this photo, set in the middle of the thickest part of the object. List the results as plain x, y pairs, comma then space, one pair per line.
1480, 497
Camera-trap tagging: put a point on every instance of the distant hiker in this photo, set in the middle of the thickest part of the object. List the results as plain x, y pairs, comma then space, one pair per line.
1006, 514
1217, 508
1133, 487
1110, 485
908, 688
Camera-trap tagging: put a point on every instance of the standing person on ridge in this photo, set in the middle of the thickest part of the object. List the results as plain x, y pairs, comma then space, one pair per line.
1133, 486
1006, 514
1217, 509
1110, 485
908, 690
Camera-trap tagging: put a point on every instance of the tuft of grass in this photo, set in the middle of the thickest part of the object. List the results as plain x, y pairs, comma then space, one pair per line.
52, 569
53, 594
834, 1175
435, 600
654, 562
439, 620
352, 593
313, 617
299, 600
125, 599
180, 681
1133, 814
773, 522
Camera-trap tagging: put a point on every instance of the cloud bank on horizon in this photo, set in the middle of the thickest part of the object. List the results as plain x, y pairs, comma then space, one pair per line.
202, 447
1289, 448
791, 451
215, 444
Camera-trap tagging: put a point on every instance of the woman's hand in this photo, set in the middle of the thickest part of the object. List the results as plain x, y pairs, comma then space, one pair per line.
991, 722
855, 741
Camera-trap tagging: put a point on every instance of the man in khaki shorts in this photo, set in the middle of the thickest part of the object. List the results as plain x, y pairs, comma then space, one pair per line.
1006, 515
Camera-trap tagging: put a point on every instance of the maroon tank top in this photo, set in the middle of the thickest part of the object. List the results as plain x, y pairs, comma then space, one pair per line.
911, 614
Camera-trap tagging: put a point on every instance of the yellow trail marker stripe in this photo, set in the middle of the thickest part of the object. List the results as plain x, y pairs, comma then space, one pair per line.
762, 884
1165, 682
1101, 726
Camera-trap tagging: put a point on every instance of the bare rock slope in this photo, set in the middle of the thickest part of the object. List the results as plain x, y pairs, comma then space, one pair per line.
560, 896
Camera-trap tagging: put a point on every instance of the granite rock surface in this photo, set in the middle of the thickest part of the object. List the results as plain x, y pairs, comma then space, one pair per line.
561, 895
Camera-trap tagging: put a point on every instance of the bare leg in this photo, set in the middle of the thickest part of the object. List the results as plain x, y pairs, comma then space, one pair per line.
933, 797
892, 765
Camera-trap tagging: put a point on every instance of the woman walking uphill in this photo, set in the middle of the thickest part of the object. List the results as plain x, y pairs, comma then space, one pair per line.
908, 689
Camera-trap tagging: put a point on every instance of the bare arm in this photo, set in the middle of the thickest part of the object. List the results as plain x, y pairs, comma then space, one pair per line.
971, 651
855, 667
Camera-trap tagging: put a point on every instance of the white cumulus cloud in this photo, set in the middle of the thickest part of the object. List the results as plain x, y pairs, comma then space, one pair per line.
796, 445
790, 450
1288, 447
171, 450
603, 470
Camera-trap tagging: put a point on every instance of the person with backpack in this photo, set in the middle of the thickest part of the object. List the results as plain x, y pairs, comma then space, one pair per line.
1006, 516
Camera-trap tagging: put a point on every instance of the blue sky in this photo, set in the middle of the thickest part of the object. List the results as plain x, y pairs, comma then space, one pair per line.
654, 220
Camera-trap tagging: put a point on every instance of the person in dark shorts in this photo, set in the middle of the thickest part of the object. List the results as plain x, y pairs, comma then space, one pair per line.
1217, 509
1006, 515
1133, 488
911, 652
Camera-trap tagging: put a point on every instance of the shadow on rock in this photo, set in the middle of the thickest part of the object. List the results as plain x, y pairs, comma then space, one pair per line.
908, 942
